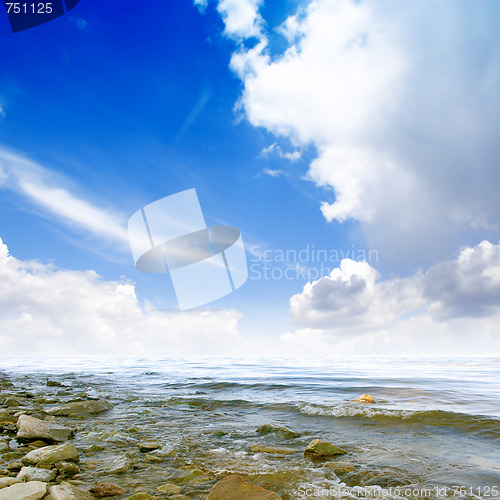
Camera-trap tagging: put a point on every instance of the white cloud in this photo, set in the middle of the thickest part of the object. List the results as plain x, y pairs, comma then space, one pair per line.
272, 172
45, 310
276, 149
47, 191
201, 4
401, 103
241, 18
446, 306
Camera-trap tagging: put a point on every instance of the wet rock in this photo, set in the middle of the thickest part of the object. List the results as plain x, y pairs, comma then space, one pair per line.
14, 466
142, 496
318, 448
66, 491
118, 464
81, 407
169, 489
365, 398
8, 481
10, 401
259, 448
52, 454
24, 491
33, 428
146, 446
103, 489
67, 468
12, 455
5, 416
36, 474
4, 447
153, 458
234, 488
53, 383
341, 467
179, 497
275, 429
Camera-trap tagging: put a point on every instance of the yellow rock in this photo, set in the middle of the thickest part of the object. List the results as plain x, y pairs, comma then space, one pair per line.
259, 448
234, 488
169, 489
365, 398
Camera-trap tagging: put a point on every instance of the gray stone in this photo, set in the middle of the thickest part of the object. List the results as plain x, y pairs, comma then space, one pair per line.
146, 446
33, 428
66, 491
52, 454
35, 474
81, 407
24, 491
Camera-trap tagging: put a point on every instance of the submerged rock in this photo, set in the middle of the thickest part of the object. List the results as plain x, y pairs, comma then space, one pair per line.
103, 489
365, 398
52, 454
275, 429
169, 489
118, 464
318, 448
81, 407
235, 488
66, 491
36, 474
33, 428
142, 496
259, 448
146, 446
67, 468
24, 491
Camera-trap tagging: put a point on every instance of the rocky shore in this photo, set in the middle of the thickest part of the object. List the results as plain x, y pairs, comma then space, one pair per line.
44, 454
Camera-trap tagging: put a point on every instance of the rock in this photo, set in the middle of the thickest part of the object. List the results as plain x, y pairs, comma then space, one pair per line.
153, 458
169, 489
179, 497
318, 448
142, 496
259, 448
54, 383
24, 491
118, 464
365, 398
67, 468
32, 428
234, 488
66, 491
148, 446
274, 429
52, 454
103, 489
8, 481
35, 474
10, 401
4, 447
81, 407
13, 466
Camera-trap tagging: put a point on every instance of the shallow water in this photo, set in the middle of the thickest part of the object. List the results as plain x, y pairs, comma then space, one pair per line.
435, 422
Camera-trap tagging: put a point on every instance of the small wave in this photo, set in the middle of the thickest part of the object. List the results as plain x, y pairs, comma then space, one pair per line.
475, 424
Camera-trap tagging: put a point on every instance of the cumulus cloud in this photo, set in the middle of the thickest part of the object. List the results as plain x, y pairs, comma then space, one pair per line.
47, 191
241, 17
442, 306
51, 311
401, 104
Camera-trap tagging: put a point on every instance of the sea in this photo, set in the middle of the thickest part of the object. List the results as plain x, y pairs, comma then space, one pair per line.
433, 431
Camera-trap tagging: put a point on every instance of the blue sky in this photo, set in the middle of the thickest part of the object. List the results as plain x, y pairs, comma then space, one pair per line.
339, 125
